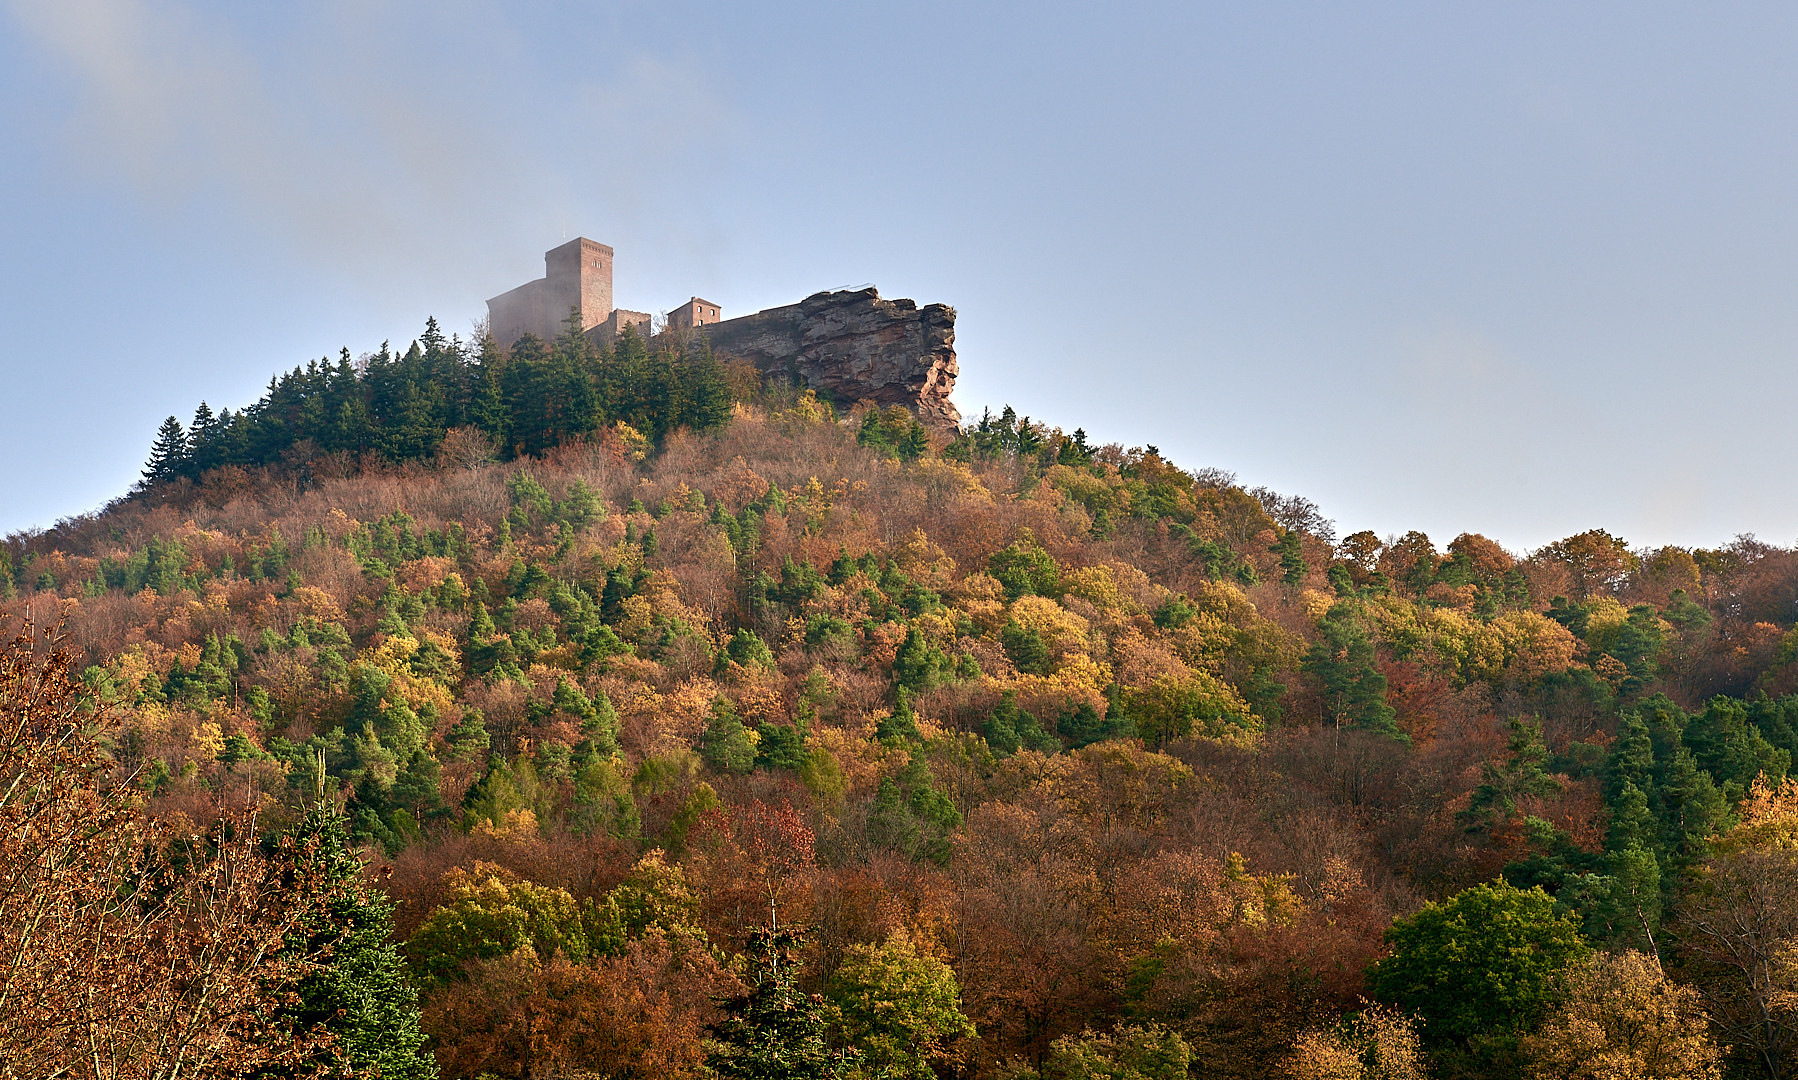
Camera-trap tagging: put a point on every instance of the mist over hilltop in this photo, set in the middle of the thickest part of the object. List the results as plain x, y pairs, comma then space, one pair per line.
1437, 270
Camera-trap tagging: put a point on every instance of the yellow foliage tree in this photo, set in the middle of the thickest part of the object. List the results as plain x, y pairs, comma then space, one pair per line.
1379, 1043
1623, 1018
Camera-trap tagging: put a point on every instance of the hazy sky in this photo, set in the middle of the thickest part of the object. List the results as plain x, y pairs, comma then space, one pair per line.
1515, 269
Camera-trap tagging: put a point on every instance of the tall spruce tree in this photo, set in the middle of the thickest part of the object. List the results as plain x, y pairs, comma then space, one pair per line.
775, 1031
168, 455
364, 995
202, 441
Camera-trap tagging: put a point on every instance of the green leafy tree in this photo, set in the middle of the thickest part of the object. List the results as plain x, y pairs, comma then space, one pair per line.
603, 801
1197, 705
1481, 962
702, 801
493, 913
899, 1005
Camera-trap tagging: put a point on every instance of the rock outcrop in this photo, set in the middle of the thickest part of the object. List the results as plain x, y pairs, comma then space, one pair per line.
856, 347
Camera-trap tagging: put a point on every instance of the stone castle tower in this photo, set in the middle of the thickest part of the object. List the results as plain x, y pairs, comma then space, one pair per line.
577, 275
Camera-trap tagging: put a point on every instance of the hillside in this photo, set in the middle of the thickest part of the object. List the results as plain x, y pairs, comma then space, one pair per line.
1143, 762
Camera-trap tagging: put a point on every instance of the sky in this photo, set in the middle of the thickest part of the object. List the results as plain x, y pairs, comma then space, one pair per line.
1522, 269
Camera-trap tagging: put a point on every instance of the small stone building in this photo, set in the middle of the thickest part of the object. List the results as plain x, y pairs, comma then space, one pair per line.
695, 312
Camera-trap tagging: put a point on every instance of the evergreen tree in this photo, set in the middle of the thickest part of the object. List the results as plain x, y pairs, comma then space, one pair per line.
486, 407
1501, 785
1631, 761
707, 390
203, 441
1026, 648
1293, 566
363, 996
899, 727
1342, 661
726, 745
919, 664
168, 455
775, 1031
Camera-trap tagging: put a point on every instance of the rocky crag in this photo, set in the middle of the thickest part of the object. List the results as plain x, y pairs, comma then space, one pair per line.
854, 346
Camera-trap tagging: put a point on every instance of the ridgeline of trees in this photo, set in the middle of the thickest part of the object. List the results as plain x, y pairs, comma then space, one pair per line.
613, 714
525, 400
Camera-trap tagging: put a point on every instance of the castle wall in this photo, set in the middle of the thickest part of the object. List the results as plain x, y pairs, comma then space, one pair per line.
607, 332
856, 347
516, 312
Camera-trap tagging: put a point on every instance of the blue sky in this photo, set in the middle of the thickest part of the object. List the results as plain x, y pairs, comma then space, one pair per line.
1522, 270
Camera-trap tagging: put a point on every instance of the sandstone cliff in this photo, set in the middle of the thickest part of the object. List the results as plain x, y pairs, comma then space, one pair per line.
854, 346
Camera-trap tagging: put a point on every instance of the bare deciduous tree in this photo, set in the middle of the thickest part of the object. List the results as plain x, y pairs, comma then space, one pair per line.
128, 952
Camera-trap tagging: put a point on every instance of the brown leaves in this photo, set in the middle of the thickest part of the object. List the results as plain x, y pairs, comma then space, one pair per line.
641, 1014
1377, 1044
126, 950
1738, 926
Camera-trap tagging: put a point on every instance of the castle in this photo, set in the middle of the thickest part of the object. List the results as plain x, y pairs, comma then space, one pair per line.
849, 345
577, 277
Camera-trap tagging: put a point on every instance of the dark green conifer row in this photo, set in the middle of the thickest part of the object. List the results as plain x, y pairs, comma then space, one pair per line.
400, 407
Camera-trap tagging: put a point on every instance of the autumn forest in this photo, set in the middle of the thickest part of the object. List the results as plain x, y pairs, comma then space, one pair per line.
558, 711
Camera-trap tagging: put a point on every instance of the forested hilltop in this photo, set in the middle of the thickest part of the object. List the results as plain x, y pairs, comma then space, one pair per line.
688, 724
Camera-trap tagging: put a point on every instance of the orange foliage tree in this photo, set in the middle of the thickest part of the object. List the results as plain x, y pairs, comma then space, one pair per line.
127, 950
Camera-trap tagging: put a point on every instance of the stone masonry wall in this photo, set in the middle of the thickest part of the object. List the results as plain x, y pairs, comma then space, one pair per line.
856, 347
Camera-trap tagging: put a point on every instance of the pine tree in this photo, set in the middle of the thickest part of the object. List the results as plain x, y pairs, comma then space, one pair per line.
486, 404
1292, 557
202, 440
775, 1032
707, 391
168, 455
363, 995
1343, 662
